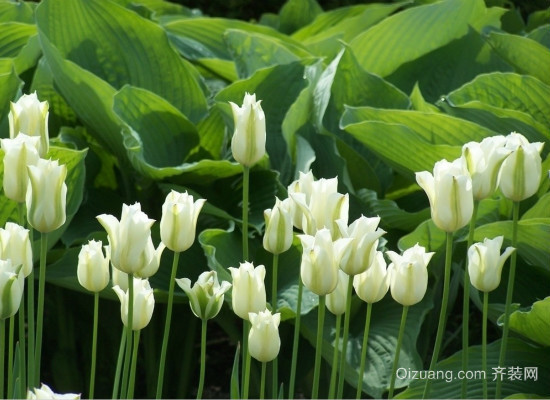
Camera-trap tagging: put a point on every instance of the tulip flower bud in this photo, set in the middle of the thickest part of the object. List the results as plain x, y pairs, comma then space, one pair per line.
278, 227
30, 116
449, 190
144, 304
336, 300
521, 171
129, 239
365, 234
19, 153
45, 393
485, 263
409, 275
373, 284
264, 342
11, 288
153, 255
248, 293
320, 259
206, 296
483, 161
15, 245
93, 267
179, 220
47, 195
248, 142
302, 185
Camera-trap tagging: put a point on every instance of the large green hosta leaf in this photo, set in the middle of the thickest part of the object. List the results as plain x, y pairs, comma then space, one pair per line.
385, 322
519, 355
10, 84
526, 55
533, 324
13, 36
409, 34
17, 11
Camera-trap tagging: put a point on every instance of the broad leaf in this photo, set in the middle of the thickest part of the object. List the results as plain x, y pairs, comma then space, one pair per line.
13, 36
533, 324
296, 14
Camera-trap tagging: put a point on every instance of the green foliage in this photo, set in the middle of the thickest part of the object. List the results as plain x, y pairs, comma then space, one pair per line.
139, 96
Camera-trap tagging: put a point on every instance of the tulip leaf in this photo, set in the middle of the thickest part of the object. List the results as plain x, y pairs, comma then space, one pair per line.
533, 324
407, 35
526, 55
435, 128
533, 238
384, 328
519, 354
509, 91
412, 154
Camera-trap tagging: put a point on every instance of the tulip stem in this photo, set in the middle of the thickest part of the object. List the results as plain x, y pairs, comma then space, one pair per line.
398, 349
130, 321
22, 344
296, 340
2, 355
274, 364
203, 358
343, 354
94, 345
484, 342
509, 294
318, 347
40, 313
333, 374
443, 312
466, 302
364, 351
31, 332
10, 357
132, 381
246, 354
246, 184
262, 382
169, 306
116, 382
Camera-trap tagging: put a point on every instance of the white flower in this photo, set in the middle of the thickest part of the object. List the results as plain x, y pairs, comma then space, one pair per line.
248, 142
485, 263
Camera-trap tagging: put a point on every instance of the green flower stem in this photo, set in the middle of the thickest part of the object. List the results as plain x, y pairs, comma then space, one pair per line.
31, 330
246, 354
343, 354
296, 340
94, 345
2, 355
466, 302
40, 313
10, 356
274, 364
443, 312
484, 342
128, 355
169, 306
246, 184
22, 344
398, 349
262, 382
132, 382
318, 348
333, 373
203, 358
116, 383
364, 351
509, 294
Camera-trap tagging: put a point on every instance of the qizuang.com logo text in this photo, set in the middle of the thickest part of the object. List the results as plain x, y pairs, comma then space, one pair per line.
448, 376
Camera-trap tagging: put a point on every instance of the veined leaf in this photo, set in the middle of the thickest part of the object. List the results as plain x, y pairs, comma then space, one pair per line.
13, 36
533, 324
400, 146
122, 49
433, 128
409, 34
526, 55
509, 91
296, 14
17, 11
10, 84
